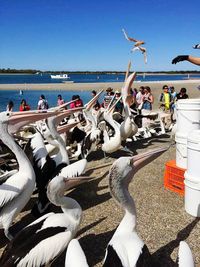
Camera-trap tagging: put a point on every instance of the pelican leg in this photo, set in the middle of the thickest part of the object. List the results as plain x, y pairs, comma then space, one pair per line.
126, 149
105, 156
8, 234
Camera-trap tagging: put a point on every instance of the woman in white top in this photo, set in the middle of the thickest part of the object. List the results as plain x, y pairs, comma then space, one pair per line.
42, 103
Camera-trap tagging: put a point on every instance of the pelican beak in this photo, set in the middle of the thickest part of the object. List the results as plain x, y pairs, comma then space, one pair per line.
128, 83
72, 182
66, 113
145, 158
16, 121
62, 106
65, 128
91, 103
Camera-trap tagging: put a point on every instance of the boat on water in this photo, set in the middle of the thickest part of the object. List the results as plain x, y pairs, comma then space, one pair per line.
60, 76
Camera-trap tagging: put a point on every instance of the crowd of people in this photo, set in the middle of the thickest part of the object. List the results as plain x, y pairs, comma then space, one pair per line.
141, 100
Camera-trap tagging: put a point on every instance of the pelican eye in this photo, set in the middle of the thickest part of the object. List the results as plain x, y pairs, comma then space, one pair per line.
131, 162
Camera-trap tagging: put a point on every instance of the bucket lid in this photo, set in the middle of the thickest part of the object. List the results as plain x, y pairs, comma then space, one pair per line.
188, 104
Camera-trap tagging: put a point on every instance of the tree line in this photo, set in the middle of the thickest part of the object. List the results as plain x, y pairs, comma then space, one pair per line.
33, 71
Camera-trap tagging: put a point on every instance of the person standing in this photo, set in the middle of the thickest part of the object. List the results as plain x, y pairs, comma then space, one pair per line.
182, 94
60, 100
139, 97
165, 105
10, 106
97, 104
24, 106
78, 102
42, 103
147, 98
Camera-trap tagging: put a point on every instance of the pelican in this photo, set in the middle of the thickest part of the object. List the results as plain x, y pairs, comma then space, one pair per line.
75, 256
185, 258
93, 134
127, 127
125, 247
137, 42
47, 167
16, 191
111, 144
44, 239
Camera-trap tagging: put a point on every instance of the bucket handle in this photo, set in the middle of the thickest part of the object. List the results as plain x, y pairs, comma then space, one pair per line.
193, 122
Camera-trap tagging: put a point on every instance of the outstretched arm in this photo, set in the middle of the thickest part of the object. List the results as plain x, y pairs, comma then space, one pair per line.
194, 60
191, 59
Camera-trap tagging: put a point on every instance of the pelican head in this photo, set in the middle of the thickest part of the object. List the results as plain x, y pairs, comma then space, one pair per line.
58, 185
124, 169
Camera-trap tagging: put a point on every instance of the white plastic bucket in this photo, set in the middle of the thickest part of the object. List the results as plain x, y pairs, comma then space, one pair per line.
181, 150
193, 155
192, 197
188, 115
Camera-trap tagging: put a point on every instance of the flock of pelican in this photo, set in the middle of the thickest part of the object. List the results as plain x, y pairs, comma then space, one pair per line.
45, 165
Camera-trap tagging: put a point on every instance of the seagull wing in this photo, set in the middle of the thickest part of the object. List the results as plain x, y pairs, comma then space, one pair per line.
125, 34
144, 52
128, 38
135, 49
197, 46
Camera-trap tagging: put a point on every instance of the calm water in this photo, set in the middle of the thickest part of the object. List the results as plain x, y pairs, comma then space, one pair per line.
88, 78
32, 97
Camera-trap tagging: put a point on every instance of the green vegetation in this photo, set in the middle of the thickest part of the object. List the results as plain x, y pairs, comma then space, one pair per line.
32, 71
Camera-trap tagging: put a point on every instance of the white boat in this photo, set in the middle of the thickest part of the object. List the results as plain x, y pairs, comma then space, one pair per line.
60, 76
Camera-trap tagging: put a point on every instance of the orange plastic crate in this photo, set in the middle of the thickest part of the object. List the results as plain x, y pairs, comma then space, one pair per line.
174, 178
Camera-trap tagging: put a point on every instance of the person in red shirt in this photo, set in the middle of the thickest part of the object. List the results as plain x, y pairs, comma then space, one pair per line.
78, 102
24, 106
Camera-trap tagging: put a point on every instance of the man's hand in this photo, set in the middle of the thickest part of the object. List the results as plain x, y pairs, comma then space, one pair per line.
179, 58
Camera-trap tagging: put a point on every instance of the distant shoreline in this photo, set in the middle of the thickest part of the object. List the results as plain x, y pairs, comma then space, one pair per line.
111, 73
97, 86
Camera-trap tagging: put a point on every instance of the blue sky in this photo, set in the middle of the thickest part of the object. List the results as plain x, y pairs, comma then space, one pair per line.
86, 35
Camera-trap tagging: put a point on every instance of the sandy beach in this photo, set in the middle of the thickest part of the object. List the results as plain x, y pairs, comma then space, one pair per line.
189, 84
162, 221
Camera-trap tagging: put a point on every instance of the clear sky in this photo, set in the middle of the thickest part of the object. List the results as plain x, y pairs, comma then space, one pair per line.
80, 35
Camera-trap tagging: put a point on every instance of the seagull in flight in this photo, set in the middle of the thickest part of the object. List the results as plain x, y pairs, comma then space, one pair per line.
137, 45
197, 46
137, 42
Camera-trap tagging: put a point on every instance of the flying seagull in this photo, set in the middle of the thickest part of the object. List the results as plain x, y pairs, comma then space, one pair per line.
197, 46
